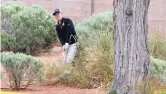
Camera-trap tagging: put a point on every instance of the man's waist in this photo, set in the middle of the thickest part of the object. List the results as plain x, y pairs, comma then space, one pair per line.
74, 42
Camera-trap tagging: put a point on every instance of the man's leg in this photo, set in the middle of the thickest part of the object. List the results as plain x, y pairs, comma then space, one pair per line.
71, 52
65, 56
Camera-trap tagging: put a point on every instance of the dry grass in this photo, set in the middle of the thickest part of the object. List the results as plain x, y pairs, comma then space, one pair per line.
157, 44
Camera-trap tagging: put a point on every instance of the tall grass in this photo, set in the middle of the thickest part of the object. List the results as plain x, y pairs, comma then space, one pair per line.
157, 78
157, 44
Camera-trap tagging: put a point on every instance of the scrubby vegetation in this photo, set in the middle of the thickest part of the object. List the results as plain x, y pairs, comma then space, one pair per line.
157, 44
31, 28
93, 65
23, 29
158, 68
20, 70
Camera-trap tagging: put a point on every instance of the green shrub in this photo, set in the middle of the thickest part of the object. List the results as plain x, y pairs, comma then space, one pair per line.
158, 68
20, 70
89, 31
8, 41
31, 27
101, 21
7, 10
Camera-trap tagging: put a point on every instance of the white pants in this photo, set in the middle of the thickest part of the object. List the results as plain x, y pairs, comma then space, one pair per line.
68, 55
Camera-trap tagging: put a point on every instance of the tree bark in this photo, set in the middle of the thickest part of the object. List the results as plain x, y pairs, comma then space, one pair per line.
130, 46
28, 50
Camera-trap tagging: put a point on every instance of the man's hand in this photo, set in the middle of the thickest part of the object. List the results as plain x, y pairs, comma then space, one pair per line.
66, 46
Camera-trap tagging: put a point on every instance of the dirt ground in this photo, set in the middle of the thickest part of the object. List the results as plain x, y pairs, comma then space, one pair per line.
53, 54
39, 89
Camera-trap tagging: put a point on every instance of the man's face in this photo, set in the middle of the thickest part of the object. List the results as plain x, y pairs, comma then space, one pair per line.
58, 16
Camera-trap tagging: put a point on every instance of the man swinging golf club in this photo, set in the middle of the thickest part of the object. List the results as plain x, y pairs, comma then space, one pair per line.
66, 35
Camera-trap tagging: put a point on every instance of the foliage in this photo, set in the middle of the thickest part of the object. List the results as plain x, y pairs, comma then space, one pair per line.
113, 92
101, 21
74, 74
158, 68
152, 85
8, 41
53, 70
88, 31
7, 10
20, 70
157, 44
29, 26
102, 69
164, 92
93, 35
77, 74
33, 26
157, 77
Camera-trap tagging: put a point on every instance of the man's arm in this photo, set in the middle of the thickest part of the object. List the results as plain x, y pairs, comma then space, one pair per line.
58, 29
69, 29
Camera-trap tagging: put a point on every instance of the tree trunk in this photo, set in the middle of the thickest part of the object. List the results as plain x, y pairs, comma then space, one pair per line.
28, 50
130, 47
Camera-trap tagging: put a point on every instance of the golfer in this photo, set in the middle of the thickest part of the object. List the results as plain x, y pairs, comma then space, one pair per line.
66, 35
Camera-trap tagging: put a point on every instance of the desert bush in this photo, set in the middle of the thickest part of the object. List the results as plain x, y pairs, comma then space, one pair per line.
101, 21
30, 26
33, 26
89, 30
158, 68
102, 69
157, 44
53, 72
20, 70
7, 10
8, 41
